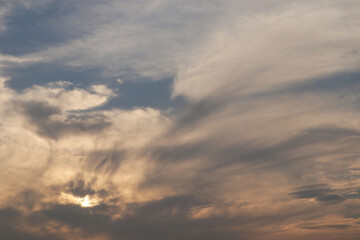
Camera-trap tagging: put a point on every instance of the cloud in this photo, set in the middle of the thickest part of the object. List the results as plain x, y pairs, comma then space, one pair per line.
3, 13
10, 220
40, 115
270, 109
328, 227
78, 187
319, 192
273, 50
49, 108
117, 36
54, 134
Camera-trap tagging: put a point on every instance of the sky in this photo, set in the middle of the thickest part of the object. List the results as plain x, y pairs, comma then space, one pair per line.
173, 120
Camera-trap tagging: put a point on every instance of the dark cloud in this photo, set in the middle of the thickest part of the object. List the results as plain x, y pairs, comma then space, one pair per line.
220, 163
335, 226
76, 216
106, 161
220, 155
353, 194
330, 198
170, 208
351, 210
180, 152
39, 115
195, 113
320, 192
78, 187
39, 111
163, 219
167, 218
11, 223
281, 152
170, 218
28, 198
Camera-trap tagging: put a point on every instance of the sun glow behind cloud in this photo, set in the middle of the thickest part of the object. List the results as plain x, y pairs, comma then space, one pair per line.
86, 201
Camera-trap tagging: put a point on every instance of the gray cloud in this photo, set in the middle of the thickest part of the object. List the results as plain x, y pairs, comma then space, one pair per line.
157, 220
78, 187
338, 227
10, 221
320, 192
39, 115
106, 161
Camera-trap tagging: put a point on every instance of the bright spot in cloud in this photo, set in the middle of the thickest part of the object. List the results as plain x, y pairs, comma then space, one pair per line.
86, 201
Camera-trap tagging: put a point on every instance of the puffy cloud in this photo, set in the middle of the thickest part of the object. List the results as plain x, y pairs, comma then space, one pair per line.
56, 127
